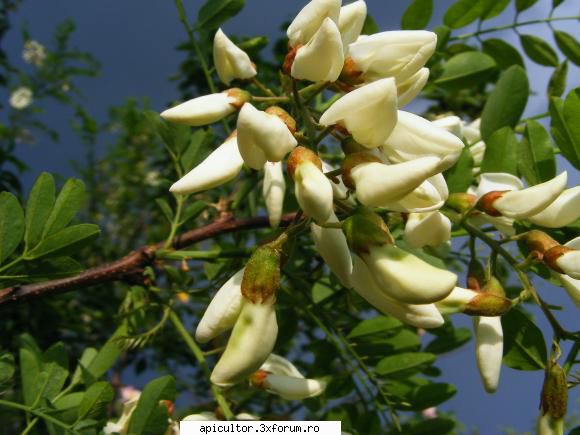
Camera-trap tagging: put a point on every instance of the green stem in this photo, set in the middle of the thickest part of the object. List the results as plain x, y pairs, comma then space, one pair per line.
203, 255
40, 414
513, 25
199, 356
265, 89
306, 117
272, 100
11, 264
180, 199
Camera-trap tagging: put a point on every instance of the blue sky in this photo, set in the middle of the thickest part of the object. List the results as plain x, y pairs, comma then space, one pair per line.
135, 41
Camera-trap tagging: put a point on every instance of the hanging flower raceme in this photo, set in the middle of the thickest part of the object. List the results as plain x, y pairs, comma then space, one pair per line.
398, 54
312, 188
519, 204
264, 136
378, 184
415, 137
351, 21
207, 109
273, 190
332, 246
221, 166
368, 113
399, 274
247, 303
231, 62
427, 229
279, 376
321, 59
310, 18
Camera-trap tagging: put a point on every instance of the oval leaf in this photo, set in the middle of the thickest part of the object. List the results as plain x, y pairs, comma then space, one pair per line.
536, 160
464, 12
522, 5
466, 69
501, 152
568, 141
150, 417
524, 345
557, 83
66, 239
507, 102
379, 324
215, 12
539, 50
38, 208
69, 201
11, 225
504, 54
95, 400
417, 15
568, 45
404, 364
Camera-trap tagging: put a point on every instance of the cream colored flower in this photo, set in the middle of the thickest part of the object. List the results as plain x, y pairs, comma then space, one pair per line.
427, 229
408, 89
206, 109
34, 53
231, 62
351, 21
429, 196
313, 191
21, 98
488, 350
369, 113
273, 190
321, 59
221, 166
310, 18
563, 211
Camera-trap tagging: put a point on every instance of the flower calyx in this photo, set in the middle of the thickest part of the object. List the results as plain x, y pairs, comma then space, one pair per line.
300, 155
365, 229
352, 160
485, 203
262, 274
554, 398
461, 201
284, 117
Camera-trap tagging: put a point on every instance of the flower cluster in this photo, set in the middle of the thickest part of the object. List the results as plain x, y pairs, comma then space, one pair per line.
393, 162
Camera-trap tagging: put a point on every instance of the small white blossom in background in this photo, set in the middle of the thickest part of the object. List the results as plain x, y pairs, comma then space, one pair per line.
21, 98
153, 178
34, 53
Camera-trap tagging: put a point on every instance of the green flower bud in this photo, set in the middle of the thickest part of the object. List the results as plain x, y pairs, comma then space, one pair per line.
262, 275
365, 229
554, 399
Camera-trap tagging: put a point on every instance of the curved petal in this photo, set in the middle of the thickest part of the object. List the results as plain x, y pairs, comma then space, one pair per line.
203, 110
489, 350
427, 229
279, 365
291, 388
563, 211
313, 192
497, 181
310, 18
273, 190
351, 21
408, 89
231, 62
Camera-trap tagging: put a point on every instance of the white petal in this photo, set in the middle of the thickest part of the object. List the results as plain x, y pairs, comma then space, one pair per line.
273, 190
408, 89
422, 316
528, 202
291, 388
230, 61
369, 113
429, 196
279, 365
407, 278
223, 310
456, 301
252, 340
415, 137
427, 229
453, 124
320, 60
339, 190
393, 54
202, 416
477, 151
351, 21
572, 287
563, 211
262, 136
221, 166
203, 110
488, 350
313, 192
332, 247
378, 184
569, 262
310, 18
498, 181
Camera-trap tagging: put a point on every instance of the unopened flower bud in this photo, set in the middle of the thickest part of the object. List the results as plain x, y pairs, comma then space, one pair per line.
369, 113
429, 196
310, 18
262, 137
312, 188
230, 61
207, 109
351, 21
563, 259
364, 229
452, 123
321, 59
461, 201
262, 275
493, 286
427, 229
554, 399
538, 241
488, 350
273, 190
571, 285
474, 303
408, 89
221, 166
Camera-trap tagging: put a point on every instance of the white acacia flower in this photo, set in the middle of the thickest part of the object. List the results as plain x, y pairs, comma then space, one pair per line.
407, 278
310, 18
369, 113
472, 132
223, 310
252, 340
378, 185
313, 191
122, 425
206, 109
563, 211
408, 89
262, 137
321, 59
414, 137
332, 246
477, 151
397, 54
351, 21
279, 376
34, 53
452, 123
231, 62
429, 196
422, 316
221, 166
273, 190
488, 350
339, 190
427, 229
571, 285
21, 98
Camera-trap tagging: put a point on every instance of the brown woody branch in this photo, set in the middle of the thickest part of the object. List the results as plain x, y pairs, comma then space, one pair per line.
131, 266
